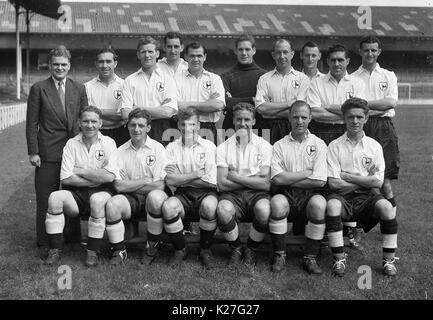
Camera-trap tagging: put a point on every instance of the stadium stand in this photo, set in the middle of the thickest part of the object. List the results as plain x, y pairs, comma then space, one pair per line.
406, 34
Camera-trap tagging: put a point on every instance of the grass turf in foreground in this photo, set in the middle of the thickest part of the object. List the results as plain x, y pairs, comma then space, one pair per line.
23, 276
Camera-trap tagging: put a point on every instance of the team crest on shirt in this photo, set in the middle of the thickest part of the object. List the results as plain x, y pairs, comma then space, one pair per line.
117, 94
349, 95
150, 160
367, 162
99, 155
296, 84
383, 85
259, 158
160, 86
207, 84
311, 150
200, 157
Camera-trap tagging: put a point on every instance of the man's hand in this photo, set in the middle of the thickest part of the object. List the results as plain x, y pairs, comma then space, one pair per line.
165, 101
123, 175
35, 160
214, 95
201, 172
228, 94
372, 170
346, 175
183, 105
172, 169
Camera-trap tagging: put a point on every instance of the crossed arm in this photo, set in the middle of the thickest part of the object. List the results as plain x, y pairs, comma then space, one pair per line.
229, 180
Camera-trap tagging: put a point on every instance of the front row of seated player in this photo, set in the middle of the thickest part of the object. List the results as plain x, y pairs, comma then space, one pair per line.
257, 182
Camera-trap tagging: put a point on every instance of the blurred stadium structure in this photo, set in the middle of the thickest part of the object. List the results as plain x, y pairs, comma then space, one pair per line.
406, 34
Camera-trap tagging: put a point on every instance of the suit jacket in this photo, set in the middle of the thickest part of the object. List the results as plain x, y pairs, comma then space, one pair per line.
48, 128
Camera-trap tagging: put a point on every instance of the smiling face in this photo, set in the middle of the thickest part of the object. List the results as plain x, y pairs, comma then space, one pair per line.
90, 123
147, 54
369, 53
195, 59
355, 120
138, 129
59, 67
299, 118
338, 62
173, 48
245, 52
105, 64
283, 55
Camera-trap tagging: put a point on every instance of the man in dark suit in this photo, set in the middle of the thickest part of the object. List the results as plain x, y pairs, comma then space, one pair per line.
53, 107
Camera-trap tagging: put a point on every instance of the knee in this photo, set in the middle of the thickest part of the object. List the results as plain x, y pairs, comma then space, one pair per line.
384, 208
316, 208
55, 200
113, 209
171, 208
225, 211
279, 206
155, 200
208, 208
97, 204
262, 210
333, 208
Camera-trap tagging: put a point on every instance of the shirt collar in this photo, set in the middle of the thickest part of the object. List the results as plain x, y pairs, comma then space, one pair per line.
292, 71
318, 74
362, 141
204, 73
200, 141
115, 78
56, 82
157, 70
306, 136
331, 78
377, 68
254, 139
148, 144
79, 137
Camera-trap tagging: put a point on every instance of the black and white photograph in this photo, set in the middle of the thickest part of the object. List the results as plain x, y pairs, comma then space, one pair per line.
216, 159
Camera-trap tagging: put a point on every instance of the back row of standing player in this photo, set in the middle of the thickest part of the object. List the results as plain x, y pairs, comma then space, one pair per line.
174, 83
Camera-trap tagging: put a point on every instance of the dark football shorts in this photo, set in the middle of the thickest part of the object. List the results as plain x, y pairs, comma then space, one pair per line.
298, 201
82, 196
359, 206
191, 199
382, 130
325, 131
137, 202
244, 201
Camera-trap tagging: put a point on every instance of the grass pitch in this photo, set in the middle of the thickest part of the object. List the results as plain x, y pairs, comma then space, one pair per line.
23, 276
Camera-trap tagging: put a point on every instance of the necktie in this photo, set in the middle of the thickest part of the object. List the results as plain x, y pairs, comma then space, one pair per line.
62, 95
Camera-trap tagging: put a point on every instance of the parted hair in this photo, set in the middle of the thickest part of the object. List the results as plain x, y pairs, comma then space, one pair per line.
245, 37
369, 39
338, 48
147, 40
244, 106
173, 35
186, 114
195, 45
355, 103
91, 109
59, 51
140, 113
107, 50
